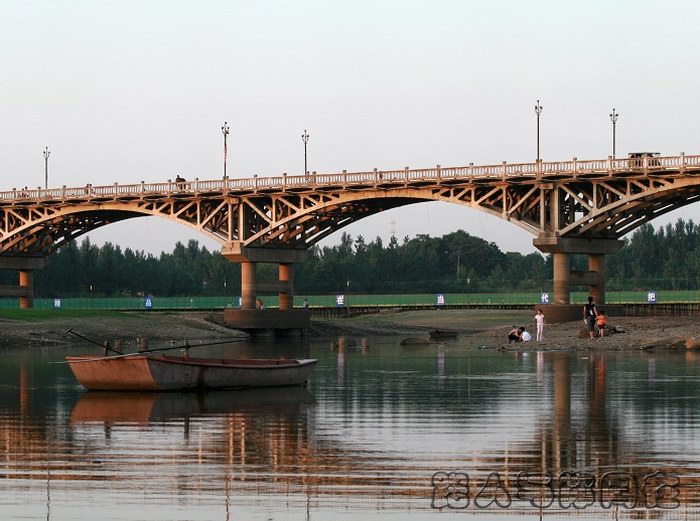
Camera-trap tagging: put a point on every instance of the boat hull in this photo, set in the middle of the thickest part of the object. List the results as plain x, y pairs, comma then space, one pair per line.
168, 373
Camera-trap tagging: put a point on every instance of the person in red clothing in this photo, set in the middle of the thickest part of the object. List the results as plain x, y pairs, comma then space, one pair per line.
600, 322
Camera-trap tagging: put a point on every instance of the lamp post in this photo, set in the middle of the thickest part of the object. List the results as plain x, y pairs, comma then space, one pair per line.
538, 111
305, 139
47, 153
613, 117
224, 131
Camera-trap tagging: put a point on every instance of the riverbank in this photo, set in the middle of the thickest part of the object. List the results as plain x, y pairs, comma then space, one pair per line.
488, 327
36, 328
491, 329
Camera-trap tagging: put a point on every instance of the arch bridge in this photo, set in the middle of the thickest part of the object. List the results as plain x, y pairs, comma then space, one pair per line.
570, 207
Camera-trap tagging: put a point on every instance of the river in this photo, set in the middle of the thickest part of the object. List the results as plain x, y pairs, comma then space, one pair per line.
388, 432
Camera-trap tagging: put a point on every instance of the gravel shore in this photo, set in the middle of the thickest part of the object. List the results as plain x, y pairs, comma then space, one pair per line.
127, 327
490, 327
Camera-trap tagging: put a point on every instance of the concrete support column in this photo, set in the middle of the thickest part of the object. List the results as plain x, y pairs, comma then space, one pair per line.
561, 278
596, 264
26, 280
260, 322
564, 278
248, 285
286, 279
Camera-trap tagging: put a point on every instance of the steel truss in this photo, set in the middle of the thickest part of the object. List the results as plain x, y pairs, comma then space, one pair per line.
595, 206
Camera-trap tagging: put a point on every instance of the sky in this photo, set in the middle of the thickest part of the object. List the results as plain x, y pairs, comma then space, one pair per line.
134, 91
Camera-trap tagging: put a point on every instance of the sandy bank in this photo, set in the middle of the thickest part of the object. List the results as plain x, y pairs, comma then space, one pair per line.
127, 327
492, 327
489, 327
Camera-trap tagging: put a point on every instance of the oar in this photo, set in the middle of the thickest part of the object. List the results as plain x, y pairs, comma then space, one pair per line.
186, 345
105, 345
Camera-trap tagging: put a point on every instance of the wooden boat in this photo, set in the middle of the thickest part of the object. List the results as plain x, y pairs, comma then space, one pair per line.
140, 372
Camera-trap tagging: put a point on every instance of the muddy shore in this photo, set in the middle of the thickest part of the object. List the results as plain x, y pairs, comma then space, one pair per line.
490, 327
127, 327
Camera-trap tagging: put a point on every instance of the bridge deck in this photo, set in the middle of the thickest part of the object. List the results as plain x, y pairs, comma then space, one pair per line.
513, 172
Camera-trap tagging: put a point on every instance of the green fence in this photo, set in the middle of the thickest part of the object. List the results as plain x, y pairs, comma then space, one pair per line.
425, 299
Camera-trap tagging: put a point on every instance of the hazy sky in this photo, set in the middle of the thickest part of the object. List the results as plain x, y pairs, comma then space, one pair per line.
138, 90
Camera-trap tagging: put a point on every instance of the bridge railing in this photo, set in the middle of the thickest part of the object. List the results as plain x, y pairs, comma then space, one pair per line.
544, 170
693, 161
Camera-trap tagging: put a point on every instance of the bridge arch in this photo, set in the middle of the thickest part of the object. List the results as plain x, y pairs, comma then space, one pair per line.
570, 207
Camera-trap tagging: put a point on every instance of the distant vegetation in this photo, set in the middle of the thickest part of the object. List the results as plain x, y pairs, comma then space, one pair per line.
665, 258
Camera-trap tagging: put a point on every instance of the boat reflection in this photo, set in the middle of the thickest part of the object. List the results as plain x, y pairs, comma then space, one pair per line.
142, 408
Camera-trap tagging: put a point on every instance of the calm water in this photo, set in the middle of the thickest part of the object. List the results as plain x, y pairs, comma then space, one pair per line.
364, 440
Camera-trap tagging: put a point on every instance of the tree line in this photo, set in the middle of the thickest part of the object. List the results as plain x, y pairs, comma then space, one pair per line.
663, 258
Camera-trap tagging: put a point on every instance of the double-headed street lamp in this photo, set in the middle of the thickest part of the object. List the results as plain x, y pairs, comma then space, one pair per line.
613, 117
538, 111
305, 139
224, 131
47, 153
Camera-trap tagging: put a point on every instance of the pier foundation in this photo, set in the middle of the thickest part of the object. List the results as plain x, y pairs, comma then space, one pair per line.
25, 287
561, 309
285, 320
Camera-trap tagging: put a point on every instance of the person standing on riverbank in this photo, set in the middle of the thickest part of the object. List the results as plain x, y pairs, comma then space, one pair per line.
590, 312
539, 321
600, 322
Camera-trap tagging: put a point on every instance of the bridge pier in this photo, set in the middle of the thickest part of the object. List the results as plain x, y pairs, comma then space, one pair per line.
286, 290
596, 264
248, 285
285, 319
26, 280
25, 287
561, 277
564, 278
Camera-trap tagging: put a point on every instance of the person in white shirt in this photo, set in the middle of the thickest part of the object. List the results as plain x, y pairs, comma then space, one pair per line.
539, 320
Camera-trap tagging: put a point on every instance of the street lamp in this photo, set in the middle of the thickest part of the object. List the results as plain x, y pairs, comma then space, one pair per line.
305, 139
224, 131
47, 153
538, 111
613, 117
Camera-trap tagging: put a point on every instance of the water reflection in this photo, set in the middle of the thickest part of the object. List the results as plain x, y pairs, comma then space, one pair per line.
368, 434
133, 407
